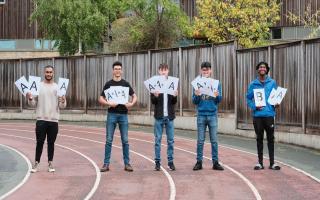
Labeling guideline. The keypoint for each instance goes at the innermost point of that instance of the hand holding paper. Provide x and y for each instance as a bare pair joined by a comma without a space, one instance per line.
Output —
277,95
34,82
62,86
259,97
23,85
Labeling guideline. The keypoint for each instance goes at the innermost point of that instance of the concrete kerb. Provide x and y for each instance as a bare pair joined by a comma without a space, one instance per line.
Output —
226,125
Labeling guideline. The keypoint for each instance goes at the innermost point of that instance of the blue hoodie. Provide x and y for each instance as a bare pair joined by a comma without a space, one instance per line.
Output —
207,105
268,85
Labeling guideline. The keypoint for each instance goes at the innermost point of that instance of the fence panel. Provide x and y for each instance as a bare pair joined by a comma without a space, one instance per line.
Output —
9,73
98,72
287,72
312,84
191,61
223,71
73,68
246,62
136,70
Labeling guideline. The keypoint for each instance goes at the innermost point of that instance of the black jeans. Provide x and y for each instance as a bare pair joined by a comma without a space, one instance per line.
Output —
46,129
260,124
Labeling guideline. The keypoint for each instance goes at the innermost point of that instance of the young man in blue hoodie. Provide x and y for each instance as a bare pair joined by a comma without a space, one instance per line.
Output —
207,109
263,116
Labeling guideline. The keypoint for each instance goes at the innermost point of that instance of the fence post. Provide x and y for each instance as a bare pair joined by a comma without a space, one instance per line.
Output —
20,71
150,66
235,76
270,56
303,70
180,78
86,84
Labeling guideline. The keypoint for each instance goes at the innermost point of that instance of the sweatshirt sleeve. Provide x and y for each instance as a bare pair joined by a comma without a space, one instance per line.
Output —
219,97
250,98
154,99
195,98
174,99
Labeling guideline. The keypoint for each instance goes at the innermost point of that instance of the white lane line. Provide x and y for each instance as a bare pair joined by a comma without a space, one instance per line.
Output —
251,186
241,176
98,174
26,177
207,143
171,182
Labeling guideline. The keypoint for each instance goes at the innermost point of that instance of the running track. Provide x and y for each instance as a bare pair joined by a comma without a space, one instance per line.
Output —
79,154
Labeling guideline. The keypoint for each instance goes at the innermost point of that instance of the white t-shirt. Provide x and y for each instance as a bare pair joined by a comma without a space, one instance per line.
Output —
47,102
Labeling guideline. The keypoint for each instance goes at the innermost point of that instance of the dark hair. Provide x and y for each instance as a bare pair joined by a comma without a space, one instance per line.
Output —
48,66
205,65
116,63
163,66
265,64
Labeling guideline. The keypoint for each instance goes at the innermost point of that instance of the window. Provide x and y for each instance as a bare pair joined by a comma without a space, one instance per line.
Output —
276,33
2,1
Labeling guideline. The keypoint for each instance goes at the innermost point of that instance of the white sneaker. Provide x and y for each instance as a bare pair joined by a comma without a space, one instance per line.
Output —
35,167
50,167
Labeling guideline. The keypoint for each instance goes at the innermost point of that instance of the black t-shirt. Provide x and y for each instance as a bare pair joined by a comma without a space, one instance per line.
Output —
121,109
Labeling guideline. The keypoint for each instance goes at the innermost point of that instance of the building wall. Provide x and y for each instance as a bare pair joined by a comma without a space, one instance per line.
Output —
14,20
296,7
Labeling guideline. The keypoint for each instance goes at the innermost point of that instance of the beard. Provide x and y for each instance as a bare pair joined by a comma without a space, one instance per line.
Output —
48,78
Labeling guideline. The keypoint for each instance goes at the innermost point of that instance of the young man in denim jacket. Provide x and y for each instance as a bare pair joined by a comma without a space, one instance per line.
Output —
207,109
263,117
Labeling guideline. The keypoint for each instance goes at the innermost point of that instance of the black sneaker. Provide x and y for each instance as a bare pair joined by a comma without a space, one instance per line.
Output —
104,168
258,166
274,167
157,167
128,168
217,166
197,166
171,166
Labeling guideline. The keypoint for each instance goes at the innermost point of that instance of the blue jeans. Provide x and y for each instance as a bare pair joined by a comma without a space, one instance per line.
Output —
158,129
112,120
212,123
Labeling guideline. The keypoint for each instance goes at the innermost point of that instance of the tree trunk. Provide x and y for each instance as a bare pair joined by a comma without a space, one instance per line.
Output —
80,47
157,37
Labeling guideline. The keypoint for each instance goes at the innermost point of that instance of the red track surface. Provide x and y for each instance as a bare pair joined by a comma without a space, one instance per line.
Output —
75,176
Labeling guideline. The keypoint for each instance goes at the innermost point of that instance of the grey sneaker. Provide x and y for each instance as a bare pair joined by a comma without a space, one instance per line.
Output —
35,167
128,168
50,167
104,168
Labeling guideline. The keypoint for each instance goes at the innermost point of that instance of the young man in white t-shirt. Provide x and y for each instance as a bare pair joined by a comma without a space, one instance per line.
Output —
47,112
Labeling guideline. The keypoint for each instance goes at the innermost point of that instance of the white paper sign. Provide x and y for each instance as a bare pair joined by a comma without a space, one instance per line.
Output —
117,94
171,85
259,97
62,86
155,84
23,85
34,82
206,86
277,95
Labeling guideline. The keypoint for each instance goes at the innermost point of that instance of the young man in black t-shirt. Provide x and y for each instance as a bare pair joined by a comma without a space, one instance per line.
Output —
117,114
